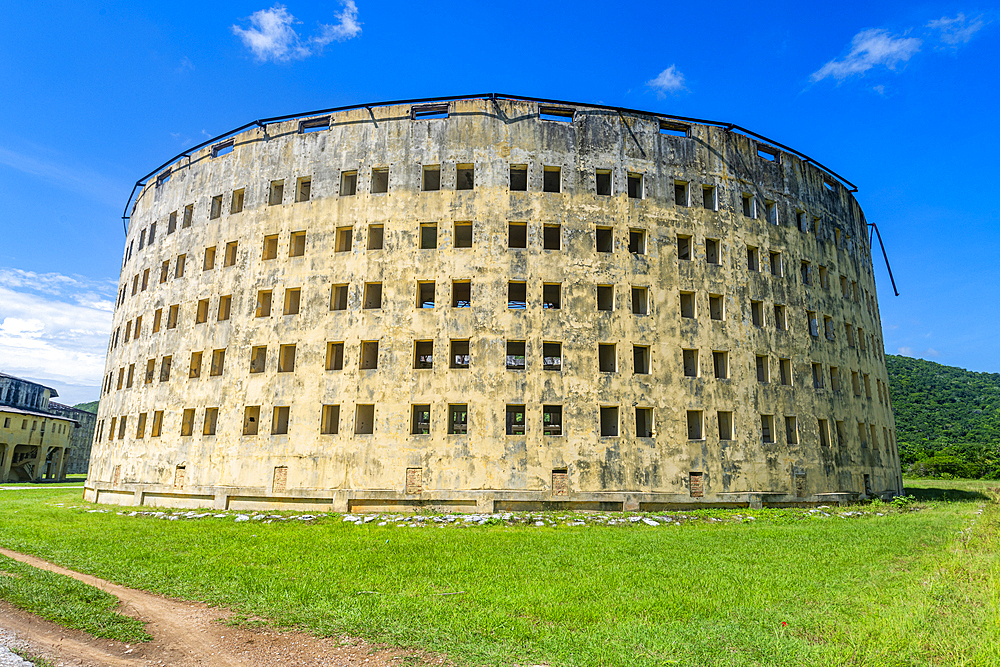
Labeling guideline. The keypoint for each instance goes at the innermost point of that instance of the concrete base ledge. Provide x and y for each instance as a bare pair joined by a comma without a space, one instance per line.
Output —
471,501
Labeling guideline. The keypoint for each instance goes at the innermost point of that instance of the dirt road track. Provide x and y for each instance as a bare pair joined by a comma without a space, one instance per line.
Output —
188,634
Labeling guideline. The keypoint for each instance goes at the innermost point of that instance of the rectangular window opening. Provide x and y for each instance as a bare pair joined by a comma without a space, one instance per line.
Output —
606,297
519,177
461,294
551,356
373,296
459,357
634,186
276,193
609,421
551,237
458,419
364,420
552,179
303,189
695,422
515,355
465,177
348,183
515,420
423,354
720,364
251,420
380,181
431,178
463,235
369,355
334,356
603,182
607,359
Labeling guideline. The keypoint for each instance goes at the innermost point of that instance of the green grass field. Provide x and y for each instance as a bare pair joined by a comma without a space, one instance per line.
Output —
789,588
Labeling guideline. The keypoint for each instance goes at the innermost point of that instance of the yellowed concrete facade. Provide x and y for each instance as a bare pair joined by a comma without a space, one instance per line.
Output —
35,444
504,307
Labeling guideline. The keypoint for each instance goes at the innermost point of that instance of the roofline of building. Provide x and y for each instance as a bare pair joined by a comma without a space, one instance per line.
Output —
35,413
263,122
52,392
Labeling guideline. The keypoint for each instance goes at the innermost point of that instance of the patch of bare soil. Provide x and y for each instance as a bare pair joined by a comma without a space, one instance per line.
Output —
188,634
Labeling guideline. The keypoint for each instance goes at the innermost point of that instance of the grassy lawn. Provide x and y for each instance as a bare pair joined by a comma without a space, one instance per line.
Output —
789,588
66,601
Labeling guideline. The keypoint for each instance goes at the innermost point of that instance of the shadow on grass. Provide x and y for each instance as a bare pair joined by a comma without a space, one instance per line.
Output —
932,493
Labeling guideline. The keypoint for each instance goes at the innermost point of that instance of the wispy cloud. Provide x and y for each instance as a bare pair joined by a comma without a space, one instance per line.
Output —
910,352
54,327
272,36
958,30
48,165
876,47
869,48
669,81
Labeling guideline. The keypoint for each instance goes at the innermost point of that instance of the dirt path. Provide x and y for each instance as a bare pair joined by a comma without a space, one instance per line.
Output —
188,634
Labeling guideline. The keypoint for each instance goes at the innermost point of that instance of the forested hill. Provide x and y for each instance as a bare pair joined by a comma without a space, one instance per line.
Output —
945,415
89,407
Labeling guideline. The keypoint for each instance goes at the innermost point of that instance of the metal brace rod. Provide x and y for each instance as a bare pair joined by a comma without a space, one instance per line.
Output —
884,256
631,133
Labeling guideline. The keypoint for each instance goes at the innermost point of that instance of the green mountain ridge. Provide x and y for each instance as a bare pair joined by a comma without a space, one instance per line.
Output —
947,418
87,407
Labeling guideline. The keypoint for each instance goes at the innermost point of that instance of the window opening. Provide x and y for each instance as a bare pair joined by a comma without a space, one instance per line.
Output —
348,183
279,421
263,308
551,179
708,198
767,428
551,237
460,354
270,247
687,305
517,235
373,296
609,421
515,420
635,186
330,420
423,354
369,355
640,301
715,307
690,363
640,359
431,180
517,295
231,248
712,251
425,294
461,294
551,296
606,297
334,356
428,236
785,371
553,113
603,177
276,193
463,235
683,247
225,307
551,356
380,181
465,177
720,364
209,259
519,177
681,193
637,241
258,359
515,355
763,370
458,419
218,362
303,189
420,422
286,359
338,297
673,129
376,237
364,420
292,298
429,111
605,239
695,422
791,430
345,239
607,361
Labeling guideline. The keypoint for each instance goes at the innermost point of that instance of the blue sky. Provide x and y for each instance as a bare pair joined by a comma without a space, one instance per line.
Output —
900,98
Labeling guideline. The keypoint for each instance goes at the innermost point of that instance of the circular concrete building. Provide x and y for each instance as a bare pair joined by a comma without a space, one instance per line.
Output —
494,303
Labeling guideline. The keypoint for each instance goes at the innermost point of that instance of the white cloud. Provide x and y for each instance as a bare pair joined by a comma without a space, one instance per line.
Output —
931,352
905,351
338,32
958,30
271,35
869,48
880,89
55,327
667,81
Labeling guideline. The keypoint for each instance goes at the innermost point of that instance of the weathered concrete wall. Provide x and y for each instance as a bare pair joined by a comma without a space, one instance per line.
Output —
488,466
81,437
